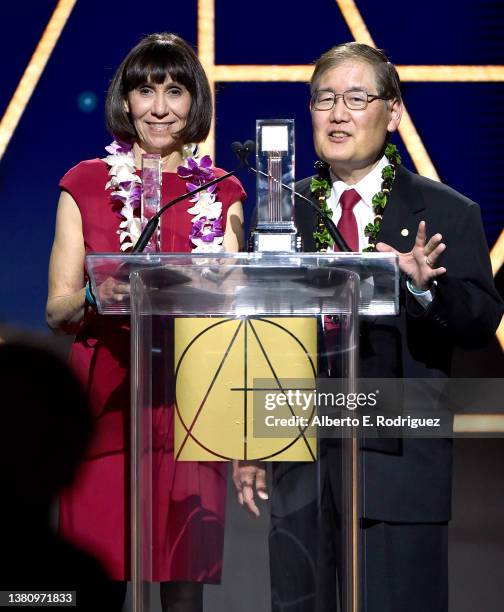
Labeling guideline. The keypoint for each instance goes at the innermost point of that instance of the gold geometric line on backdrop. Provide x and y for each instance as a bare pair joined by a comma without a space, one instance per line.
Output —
497,259
497,254
500,334
302,73
452,74
206,54
33,71
478,423
407,129
354,21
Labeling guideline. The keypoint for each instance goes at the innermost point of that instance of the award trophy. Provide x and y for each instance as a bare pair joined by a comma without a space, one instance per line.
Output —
151,197
275,230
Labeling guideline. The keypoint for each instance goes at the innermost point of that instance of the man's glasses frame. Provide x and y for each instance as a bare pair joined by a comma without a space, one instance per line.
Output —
350,99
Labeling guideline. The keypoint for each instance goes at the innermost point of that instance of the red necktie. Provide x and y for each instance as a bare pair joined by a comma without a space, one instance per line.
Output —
347,224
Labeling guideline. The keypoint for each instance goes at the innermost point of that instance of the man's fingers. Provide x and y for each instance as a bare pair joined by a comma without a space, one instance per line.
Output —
237,483
246,475
438,271
236,475
433,243
385,248
248,499
437,251
421,235
261,488
430,258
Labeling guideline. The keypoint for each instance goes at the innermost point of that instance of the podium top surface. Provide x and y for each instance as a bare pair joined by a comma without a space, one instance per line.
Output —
237,284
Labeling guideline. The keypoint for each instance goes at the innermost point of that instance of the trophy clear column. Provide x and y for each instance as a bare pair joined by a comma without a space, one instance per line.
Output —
275,230
151,197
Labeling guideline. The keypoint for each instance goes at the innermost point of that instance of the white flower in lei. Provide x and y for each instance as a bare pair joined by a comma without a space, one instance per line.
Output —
206,206
126,188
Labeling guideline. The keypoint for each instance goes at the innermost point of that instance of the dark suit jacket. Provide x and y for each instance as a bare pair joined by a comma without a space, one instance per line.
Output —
409,480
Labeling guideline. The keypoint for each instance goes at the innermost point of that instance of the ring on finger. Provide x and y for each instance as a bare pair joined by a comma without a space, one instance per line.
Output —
428,261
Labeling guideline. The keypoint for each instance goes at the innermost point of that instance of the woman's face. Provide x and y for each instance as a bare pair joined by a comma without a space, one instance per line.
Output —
159,112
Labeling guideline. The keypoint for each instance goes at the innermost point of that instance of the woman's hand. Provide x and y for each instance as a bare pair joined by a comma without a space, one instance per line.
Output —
112,291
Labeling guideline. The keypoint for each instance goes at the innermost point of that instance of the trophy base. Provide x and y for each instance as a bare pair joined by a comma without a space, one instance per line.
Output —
265,242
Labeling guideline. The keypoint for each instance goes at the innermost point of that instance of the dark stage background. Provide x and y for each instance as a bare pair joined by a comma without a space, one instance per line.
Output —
461,124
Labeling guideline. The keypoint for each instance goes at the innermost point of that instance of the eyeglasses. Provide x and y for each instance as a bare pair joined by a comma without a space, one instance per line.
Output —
354,99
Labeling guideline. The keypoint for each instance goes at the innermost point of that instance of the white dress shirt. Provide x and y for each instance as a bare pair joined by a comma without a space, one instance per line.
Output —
363,210
367,187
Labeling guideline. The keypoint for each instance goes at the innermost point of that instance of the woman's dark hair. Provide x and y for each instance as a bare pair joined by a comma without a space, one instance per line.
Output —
154,58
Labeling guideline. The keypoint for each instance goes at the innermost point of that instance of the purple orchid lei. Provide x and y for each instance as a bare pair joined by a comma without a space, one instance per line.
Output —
206,233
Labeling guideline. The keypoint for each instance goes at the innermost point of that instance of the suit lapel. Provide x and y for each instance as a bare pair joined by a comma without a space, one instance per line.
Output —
403,213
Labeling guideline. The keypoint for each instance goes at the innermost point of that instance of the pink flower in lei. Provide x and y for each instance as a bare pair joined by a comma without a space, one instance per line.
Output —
207,234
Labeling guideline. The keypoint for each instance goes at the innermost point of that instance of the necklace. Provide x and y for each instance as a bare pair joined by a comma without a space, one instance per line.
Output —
320,186
126,195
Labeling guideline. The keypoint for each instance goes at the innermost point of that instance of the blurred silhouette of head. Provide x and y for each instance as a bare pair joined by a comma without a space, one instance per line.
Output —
45,425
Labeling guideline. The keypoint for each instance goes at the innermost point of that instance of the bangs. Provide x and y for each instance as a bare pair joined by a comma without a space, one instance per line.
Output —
155,65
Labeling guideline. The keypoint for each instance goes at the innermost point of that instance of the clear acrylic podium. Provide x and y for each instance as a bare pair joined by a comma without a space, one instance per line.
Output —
209,334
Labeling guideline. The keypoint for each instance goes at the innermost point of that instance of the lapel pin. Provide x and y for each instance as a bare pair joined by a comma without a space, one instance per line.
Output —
404,232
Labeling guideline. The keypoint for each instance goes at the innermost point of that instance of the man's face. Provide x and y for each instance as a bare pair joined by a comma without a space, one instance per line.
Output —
351,140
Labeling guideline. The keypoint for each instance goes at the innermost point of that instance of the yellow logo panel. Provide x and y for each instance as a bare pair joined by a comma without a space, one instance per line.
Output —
216,363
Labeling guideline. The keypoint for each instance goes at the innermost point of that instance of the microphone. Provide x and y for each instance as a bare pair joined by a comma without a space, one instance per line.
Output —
237,148
150,228
249,146
242,151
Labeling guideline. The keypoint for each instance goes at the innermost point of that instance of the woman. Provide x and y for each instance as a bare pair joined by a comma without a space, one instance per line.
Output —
159,101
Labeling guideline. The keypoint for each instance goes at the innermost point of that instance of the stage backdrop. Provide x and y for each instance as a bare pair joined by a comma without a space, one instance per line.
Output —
460,123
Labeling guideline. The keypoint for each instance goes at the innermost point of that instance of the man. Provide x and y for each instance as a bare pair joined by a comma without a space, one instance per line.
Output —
447,298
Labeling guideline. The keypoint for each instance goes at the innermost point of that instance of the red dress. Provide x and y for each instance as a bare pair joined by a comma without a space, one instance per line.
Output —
190,496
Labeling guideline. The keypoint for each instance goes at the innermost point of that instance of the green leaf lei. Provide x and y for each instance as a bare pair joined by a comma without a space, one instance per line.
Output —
320,186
